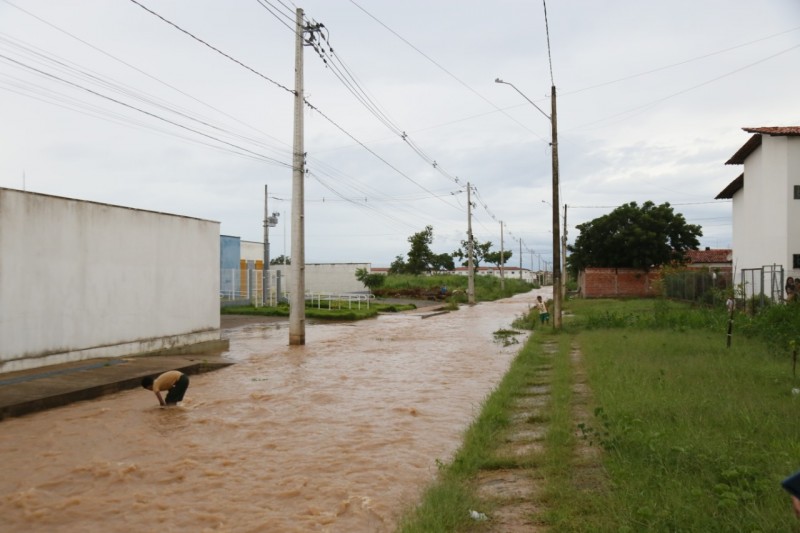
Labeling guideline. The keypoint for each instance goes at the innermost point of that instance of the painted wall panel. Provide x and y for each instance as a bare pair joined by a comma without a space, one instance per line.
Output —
81,279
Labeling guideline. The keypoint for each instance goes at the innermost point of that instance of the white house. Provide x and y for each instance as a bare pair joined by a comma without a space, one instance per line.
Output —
766,200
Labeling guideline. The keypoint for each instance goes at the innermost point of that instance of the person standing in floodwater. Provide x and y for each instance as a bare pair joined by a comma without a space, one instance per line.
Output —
174,381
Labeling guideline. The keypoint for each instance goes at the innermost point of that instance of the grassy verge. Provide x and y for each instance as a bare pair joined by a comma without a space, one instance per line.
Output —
324,313
487,288
697,437
690,435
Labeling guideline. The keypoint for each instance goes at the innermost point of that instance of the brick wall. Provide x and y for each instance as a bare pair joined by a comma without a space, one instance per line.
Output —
618,283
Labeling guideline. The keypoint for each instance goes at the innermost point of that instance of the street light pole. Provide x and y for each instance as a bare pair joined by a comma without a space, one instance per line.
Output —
556,225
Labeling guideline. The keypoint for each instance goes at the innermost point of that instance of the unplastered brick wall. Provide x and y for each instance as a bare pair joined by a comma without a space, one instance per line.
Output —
618,282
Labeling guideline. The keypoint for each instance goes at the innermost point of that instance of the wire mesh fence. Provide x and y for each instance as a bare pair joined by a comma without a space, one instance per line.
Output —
702,286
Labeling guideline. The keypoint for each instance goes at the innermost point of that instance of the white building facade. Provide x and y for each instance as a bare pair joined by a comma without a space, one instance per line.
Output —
766,200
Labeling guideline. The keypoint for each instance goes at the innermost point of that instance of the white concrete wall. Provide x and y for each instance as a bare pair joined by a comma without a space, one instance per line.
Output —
793,209
766,218
253,251
80,280
337,278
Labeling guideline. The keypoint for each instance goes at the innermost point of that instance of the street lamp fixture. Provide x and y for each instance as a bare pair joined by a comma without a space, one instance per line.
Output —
498,80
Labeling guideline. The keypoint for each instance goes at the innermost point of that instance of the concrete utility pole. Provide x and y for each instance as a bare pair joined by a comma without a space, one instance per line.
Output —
470,269
564,258
269,222
520,259
297,303
502,259
556,230
557,289
265,268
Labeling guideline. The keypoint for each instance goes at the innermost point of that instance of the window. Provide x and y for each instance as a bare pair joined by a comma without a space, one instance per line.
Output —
797,192
796,261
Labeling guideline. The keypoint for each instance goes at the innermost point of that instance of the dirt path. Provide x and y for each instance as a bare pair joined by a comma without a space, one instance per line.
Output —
515,494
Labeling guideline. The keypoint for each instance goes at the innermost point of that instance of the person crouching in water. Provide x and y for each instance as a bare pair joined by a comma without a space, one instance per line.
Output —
174,381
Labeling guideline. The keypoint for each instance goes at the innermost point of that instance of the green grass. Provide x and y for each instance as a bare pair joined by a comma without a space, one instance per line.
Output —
692,435
487,288
697,437
321,313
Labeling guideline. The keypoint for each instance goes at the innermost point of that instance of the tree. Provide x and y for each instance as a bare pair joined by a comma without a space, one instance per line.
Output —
495,259
420,257
443,262
370,281
280,260
479,253
630,236
398,266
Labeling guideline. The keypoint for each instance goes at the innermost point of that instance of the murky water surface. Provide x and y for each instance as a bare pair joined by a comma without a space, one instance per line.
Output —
338,435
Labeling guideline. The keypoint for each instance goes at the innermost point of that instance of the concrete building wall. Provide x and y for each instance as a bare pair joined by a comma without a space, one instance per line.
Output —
766,217
80,280
253,251
333,277
793,209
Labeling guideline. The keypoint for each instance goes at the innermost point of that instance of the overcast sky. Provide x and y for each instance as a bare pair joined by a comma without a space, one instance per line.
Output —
102,100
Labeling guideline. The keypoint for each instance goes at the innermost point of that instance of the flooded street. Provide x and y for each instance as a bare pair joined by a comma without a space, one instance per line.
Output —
338,435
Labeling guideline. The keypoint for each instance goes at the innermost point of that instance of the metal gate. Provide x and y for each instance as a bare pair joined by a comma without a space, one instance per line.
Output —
762,286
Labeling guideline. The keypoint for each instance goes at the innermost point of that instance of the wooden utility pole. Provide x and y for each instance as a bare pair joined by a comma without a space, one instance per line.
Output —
297,304
556,232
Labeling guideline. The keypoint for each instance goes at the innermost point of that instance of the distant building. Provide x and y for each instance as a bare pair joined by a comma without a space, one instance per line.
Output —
509,272
242,276
712,259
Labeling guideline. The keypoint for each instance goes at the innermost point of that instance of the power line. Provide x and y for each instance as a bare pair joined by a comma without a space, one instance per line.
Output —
638,109
547,31
340,128
133,67
277,14
440,67
143,111
217,50
679,63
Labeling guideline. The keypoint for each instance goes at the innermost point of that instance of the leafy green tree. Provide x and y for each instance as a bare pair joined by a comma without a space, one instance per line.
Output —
370,281
630,236
398,266
280,260
479,253
420,258
443,262
495,259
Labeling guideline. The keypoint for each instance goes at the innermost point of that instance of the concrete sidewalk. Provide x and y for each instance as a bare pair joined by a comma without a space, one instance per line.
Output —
28,391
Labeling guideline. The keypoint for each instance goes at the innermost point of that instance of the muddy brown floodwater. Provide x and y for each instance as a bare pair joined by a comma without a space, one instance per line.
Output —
338,435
